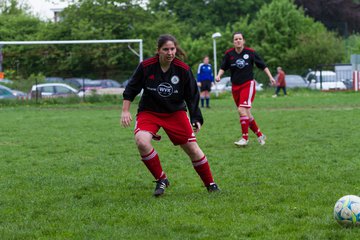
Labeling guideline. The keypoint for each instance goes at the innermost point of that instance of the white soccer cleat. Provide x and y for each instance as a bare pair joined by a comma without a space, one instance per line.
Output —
242,142
262,139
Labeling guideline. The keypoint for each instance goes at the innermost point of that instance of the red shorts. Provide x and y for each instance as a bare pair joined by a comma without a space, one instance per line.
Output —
176,125
244,94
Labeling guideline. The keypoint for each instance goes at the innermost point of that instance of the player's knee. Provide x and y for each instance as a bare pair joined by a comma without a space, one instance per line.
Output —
142,143
193,150
242,111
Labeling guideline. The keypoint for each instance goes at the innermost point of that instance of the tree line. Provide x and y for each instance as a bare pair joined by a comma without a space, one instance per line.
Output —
280,30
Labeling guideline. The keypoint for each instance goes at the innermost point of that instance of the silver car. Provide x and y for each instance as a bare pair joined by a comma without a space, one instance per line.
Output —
225,86
295,81
50,90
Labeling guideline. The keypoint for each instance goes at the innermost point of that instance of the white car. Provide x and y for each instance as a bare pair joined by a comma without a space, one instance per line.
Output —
225,86
295,81
324,80
50,90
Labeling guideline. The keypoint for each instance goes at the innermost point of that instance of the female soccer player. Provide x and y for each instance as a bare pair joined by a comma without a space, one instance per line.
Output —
169,90
240,60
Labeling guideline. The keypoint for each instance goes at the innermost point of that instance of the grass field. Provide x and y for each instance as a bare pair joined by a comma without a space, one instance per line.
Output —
71,172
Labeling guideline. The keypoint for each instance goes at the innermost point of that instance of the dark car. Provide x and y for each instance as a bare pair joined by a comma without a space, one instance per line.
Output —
107,83
295,81
80,83
54,80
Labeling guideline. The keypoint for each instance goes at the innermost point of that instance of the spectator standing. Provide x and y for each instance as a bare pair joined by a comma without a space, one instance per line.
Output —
280,82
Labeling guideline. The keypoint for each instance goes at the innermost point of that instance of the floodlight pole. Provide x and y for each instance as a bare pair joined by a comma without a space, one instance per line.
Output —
214,36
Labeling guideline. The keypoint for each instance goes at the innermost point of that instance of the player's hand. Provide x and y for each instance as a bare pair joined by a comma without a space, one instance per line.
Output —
196,127
273,82
217,78
199,84
125,119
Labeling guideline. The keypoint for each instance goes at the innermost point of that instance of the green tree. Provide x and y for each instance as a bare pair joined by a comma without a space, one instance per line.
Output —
285,36
279,31
17,25
89,20
204,16
121,19
353,45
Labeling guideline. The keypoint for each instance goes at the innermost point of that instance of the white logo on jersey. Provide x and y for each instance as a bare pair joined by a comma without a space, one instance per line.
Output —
165,89
240,63
175,79
246,56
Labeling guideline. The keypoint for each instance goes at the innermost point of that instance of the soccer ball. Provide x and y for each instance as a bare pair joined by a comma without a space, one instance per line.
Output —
347,211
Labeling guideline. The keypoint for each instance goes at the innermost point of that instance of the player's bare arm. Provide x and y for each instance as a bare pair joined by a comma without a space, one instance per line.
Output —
271,78
218,77
126,117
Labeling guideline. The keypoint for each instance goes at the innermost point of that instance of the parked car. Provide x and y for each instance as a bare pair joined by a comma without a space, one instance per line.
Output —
295,81
106,86
225,86
107,83
54,80
125,83
6,93
324,80
19,94
81,83
49,90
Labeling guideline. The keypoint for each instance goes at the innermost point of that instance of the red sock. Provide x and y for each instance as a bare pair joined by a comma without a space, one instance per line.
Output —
203,170
152,162
244,121
253,126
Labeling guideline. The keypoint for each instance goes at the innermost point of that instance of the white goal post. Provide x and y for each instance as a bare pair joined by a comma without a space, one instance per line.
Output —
140,41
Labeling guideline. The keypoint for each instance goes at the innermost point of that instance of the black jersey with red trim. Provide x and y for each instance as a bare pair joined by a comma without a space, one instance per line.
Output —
166,92
241,64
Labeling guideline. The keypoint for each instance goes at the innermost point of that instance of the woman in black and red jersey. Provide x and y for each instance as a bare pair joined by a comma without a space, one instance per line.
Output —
240,60
169,90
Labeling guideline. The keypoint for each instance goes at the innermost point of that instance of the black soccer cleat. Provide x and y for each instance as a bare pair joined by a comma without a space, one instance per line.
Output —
161,184
213,188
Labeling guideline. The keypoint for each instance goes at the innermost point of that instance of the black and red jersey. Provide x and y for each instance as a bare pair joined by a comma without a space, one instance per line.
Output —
241,64
167,92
